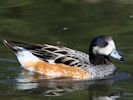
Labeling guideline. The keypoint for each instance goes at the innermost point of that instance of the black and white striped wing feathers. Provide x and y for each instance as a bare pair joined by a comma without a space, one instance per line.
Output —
54,54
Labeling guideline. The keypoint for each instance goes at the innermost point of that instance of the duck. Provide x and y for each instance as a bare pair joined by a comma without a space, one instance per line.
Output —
62,62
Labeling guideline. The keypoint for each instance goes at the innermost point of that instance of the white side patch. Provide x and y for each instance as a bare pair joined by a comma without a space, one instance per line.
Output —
25,56
51,61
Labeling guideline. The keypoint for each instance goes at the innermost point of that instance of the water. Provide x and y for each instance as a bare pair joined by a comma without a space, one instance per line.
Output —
70,23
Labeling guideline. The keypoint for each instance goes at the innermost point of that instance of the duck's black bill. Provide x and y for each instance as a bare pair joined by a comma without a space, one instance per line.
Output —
121,59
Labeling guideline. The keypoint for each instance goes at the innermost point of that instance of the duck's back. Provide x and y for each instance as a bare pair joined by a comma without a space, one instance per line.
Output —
56,54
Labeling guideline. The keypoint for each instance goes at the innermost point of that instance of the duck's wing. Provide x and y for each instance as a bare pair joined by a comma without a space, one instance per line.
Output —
56,54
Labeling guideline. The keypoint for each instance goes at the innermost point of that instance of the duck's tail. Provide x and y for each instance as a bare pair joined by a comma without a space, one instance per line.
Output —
10,44
24,56
17,46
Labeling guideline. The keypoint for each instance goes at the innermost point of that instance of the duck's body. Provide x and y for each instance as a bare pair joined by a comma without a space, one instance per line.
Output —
55,61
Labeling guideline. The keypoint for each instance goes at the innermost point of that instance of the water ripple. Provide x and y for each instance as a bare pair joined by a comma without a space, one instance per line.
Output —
7,60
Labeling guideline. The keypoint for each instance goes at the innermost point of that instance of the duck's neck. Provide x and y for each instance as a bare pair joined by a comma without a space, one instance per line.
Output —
98,59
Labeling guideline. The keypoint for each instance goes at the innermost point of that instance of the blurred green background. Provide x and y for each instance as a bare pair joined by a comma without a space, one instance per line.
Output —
70,23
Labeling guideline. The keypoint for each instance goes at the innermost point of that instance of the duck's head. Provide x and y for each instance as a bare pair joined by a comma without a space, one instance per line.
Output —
101,48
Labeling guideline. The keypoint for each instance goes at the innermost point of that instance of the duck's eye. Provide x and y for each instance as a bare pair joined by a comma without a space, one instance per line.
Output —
104,44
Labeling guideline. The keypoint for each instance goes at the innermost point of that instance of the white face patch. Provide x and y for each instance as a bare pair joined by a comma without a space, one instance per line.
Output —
105,50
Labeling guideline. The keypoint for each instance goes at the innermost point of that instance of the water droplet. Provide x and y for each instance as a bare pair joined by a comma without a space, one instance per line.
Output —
65,28
131,16
58,42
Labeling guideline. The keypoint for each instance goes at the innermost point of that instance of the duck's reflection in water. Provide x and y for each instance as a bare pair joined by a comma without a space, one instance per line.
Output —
97,90
102,92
